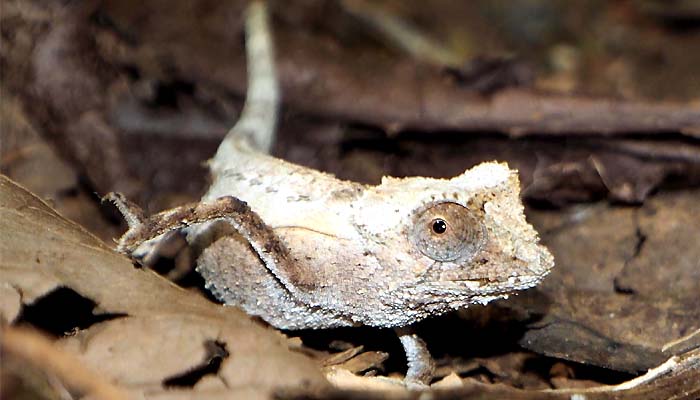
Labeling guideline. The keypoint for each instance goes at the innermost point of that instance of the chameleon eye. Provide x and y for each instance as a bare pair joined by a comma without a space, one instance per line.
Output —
439,226
447,232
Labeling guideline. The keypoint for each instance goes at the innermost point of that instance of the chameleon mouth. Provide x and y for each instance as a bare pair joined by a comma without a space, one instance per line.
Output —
474,284
491,286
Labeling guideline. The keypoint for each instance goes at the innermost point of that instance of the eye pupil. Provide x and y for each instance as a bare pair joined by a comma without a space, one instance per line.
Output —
448,232
439,226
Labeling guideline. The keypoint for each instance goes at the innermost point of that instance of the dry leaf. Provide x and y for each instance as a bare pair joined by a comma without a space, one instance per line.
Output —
155,331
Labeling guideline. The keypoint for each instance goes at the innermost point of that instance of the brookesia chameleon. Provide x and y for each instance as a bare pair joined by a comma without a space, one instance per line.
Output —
304,250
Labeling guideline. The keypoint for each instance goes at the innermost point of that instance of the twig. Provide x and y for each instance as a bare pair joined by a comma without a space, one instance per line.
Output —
404,35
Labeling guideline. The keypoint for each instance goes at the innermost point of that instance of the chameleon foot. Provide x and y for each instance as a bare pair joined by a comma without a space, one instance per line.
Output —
420,364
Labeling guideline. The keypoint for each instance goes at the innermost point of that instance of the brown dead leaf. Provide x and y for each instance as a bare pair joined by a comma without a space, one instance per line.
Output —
451,381
625,284
10,303
163,330
365,361
343,379
341,357
667,222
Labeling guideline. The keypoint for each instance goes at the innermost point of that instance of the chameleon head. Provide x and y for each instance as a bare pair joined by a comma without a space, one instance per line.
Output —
445,244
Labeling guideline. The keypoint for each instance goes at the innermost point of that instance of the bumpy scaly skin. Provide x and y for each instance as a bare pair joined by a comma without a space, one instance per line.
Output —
312,251
353,261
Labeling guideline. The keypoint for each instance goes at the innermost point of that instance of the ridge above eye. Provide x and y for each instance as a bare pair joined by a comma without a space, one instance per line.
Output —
447,231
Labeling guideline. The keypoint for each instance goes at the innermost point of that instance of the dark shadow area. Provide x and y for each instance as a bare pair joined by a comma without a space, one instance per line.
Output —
62,311
543,366
216,353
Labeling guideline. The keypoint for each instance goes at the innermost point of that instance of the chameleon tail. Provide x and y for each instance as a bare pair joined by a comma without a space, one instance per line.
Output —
257,124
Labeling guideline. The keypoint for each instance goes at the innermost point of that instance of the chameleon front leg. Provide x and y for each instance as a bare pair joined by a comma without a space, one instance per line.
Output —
267,245
420,363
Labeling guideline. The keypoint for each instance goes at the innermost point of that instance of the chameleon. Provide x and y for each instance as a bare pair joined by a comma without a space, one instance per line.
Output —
303,249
